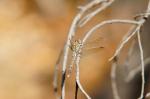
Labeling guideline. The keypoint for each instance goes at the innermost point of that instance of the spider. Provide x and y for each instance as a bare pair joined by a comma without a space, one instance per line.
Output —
76,48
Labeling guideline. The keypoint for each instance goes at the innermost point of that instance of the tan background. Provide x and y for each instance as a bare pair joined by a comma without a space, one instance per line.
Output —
32,33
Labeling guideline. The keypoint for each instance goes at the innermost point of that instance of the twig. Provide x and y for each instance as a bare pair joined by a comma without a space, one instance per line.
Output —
55,81
100,25
141,22
94,13
113,79
148,8
142,64
71,34
81,20
125,39
78,79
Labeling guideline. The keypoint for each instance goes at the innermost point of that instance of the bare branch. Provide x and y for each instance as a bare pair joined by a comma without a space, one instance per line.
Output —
78,79
71,34
113,79
79,21
148,8
55,81
125,39
142,65
100,25
94,13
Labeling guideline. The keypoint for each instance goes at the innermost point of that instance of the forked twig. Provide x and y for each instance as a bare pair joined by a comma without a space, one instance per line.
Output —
71,34
141,21
100,25
55,81
79,21
125,40
78,80
88,17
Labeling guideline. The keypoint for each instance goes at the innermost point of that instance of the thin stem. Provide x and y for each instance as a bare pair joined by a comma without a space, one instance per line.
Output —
78,79
113,80
55,81
71,34
100,25
88,17
142,65
124,41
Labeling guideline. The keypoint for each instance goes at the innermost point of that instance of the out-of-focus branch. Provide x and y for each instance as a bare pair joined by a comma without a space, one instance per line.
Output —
55,81
141,21
135,71
113,79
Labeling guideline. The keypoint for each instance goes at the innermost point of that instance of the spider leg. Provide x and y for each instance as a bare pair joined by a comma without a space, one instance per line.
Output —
71,65
70,68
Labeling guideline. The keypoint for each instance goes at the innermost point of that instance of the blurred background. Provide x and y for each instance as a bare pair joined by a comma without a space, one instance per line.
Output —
32,34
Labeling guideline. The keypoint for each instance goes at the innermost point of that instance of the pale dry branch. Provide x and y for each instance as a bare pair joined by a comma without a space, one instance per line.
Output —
125,40
94,13
78,80
79,21
142,65
100,25
148,8
55,81
141,21
113,79
135,71
71,34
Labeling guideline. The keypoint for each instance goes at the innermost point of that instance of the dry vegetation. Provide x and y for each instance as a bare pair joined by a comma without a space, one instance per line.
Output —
85,14
33,32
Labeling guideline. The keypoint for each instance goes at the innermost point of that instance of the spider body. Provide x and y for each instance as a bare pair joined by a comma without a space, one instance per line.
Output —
75,47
